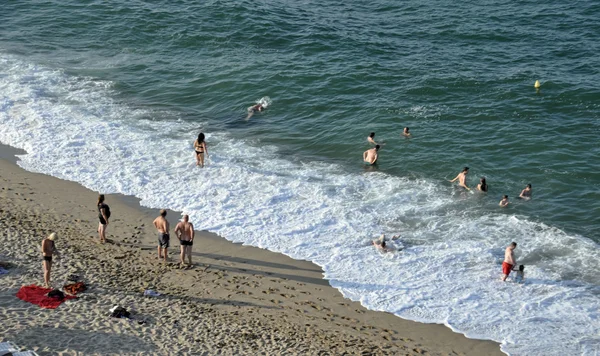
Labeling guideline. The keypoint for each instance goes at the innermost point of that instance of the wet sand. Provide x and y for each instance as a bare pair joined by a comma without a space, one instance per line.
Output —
235,299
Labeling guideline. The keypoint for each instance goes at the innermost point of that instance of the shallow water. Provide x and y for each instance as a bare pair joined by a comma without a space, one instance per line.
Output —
112,96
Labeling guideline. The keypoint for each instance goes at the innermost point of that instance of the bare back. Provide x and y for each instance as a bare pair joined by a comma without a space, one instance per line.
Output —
185,231
162,225
509,256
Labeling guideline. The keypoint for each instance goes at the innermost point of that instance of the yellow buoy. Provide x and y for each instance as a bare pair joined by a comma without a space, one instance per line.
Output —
537,84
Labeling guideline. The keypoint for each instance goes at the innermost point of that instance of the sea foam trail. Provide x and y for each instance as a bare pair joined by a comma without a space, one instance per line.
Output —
72,128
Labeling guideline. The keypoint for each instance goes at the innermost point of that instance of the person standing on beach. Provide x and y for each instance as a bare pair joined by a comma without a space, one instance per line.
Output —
162,225
509,260
200,148
185,233
462,177
526,193
48,249
370,156
103,215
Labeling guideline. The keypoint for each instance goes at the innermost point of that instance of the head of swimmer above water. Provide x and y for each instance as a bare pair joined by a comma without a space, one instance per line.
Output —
200,137
377,147
465,170
372,134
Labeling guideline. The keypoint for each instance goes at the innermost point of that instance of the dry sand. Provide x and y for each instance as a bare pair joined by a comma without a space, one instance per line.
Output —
236,300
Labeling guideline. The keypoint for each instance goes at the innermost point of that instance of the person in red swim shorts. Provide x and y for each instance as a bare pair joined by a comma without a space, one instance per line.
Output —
509,260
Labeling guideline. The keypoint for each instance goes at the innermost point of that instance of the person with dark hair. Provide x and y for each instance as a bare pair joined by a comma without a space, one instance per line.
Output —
504,202
103,215
370,156
185,233
482,186
254,108
526,193
406,132
162,225
48,249
200,148
462,177
371,138
509,260
520,277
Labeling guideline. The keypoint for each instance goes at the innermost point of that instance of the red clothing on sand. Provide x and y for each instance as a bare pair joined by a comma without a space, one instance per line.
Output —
39,296
506,268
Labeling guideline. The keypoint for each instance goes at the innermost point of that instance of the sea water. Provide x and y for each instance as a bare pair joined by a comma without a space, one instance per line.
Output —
112,95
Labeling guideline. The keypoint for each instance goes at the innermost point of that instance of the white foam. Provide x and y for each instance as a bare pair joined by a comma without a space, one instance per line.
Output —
448,272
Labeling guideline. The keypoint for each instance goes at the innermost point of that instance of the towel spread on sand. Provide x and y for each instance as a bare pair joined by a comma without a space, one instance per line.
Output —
39,296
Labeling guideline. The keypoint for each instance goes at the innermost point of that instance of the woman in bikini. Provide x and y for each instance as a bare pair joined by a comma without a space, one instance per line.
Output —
200,148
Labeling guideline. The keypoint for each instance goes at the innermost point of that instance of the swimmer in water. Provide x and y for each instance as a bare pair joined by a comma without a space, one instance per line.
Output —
406,132
462,177
504,202
526,193
371,138
482,186
370,156
254,108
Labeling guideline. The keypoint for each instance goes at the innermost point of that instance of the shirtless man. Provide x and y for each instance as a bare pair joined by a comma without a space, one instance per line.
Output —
509,260
370,156
504,202
462,177
185,233
162,225
526,193
371,138
406,132
48,249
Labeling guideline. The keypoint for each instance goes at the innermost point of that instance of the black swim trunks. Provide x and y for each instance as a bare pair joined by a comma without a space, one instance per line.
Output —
48,258
186,243
163,240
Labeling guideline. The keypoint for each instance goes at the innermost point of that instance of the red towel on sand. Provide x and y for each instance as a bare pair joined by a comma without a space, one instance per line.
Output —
38,295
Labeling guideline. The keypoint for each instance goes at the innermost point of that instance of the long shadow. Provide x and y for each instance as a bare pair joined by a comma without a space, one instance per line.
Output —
293,277
83,341
174,250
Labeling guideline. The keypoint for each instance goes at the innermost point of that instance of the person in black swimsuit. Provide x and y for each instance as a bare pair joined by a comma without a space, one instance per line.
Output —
103,215
200,149
48,249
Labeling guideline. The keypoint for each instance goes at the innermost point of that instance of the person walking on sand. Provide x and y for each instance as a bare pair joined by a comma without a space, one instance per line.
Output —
526,193
509,260
462,177
504,202
370,156
371,138
48,249
185,233
162,225
200,148
103,216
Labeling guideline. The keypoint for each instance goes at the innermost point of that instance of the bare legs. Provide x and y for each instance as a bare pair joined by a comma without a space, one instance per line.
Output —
47,265
189,253
162,253
182,254
200,159
102,232
186,250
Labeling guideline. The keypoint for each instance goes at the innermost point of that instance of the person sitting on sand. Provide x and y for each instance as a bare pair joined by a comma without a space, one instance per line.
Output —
509,260
520,277
48,249
462,177
526,193
185,233
371,138
103,215
406,132
370,156
504,202
162,225
200,149
482,186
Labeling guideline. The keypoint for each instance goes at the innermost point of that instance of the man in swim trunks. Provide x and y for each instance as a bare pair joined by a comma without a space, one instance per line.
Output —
509,260
162,225
370,156
185,233
462,178
48,249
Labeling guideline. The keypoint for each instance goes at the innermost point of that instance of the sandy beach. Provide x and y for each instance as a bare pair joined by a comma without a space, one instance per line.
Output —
235,300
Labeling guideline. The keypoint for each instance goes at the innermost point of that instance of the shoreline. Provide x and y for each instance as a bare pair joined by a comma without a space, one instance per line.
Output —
230,282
